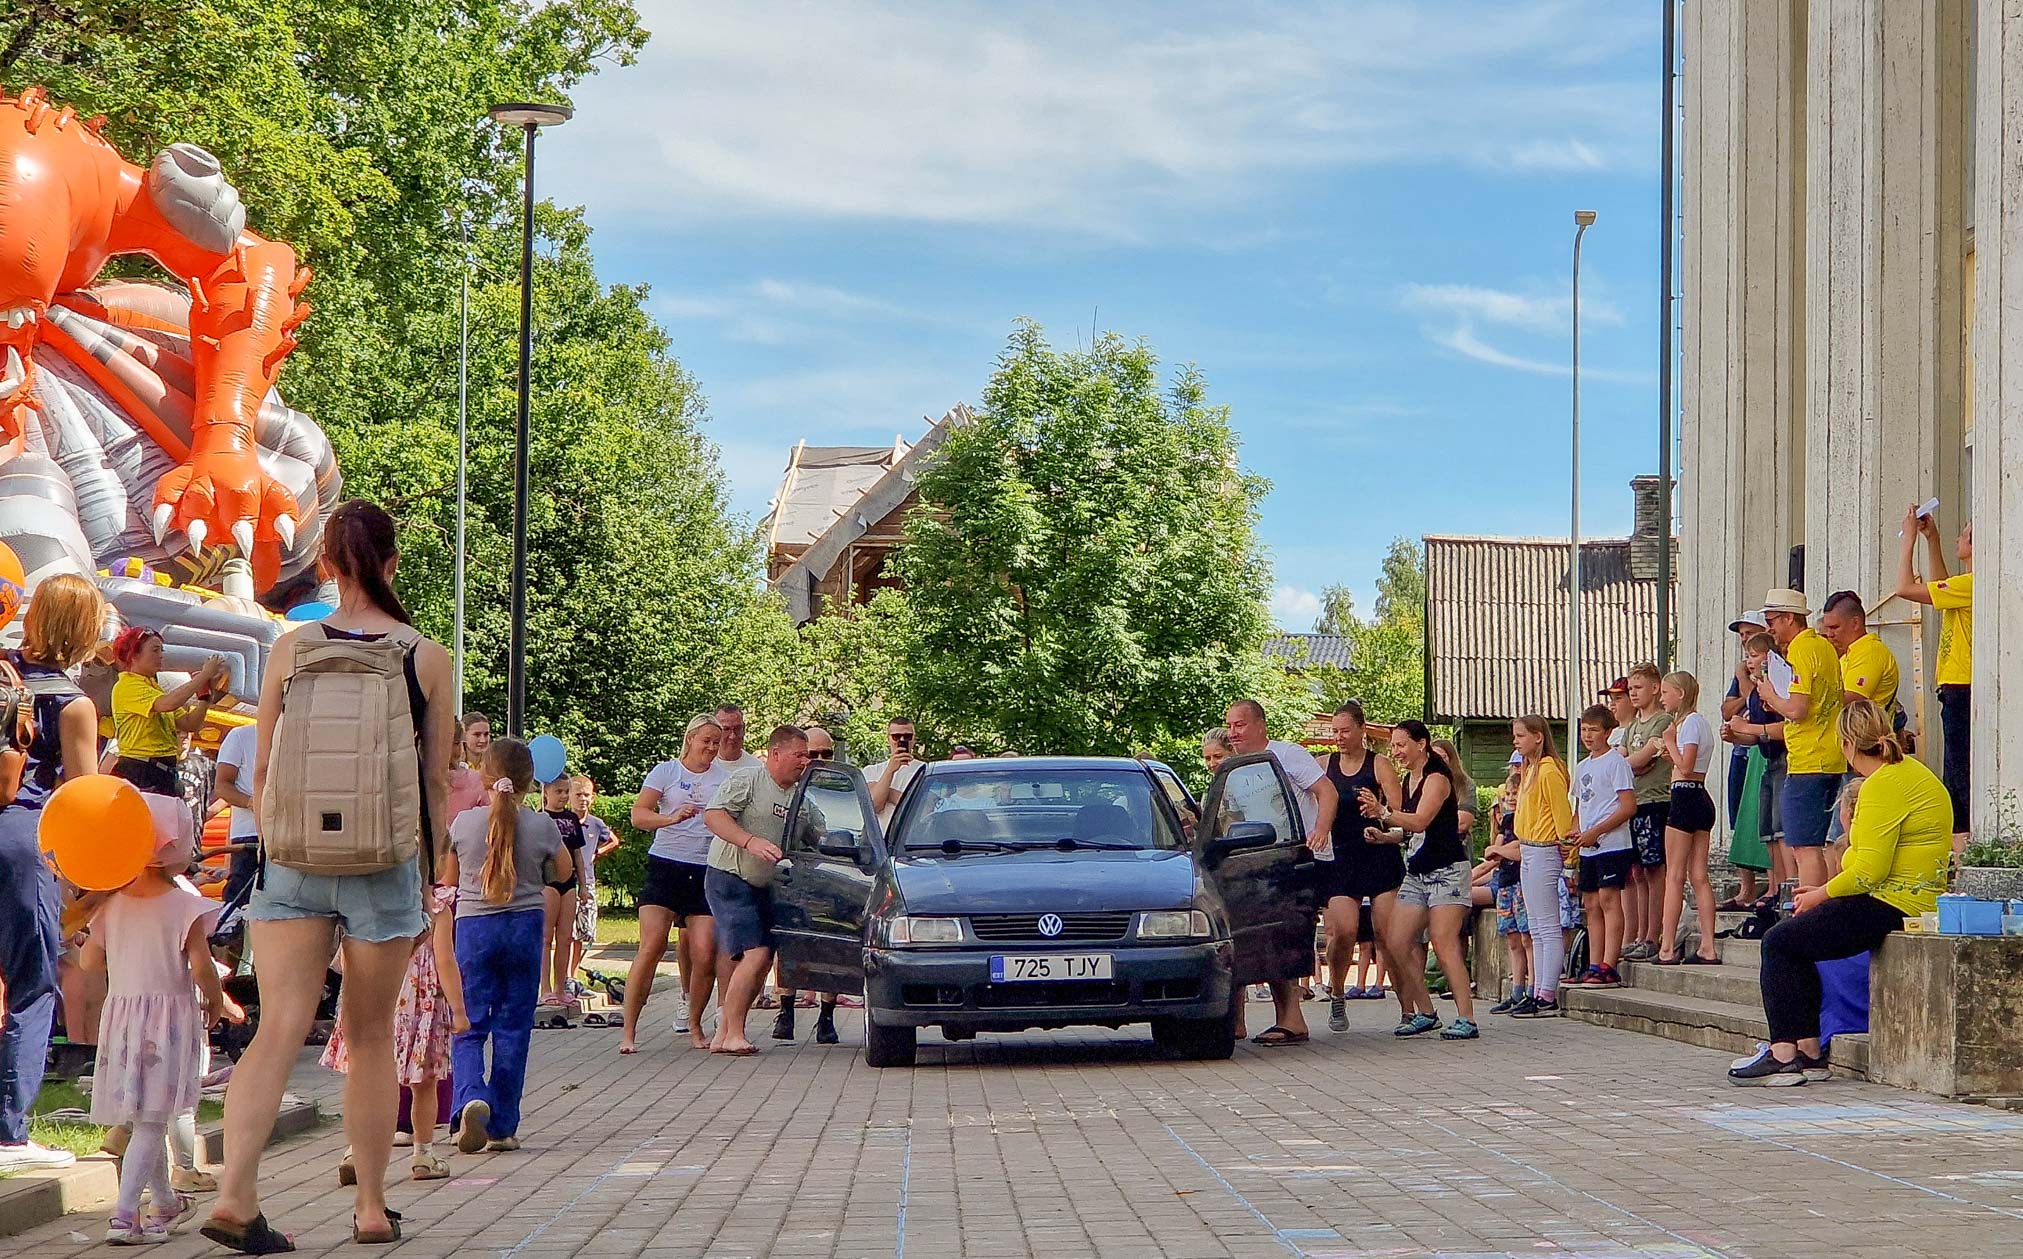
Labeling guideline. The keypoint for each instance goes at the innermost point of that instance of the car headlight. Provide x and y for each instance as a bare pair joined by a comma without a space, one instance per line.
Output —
1172,924
924,931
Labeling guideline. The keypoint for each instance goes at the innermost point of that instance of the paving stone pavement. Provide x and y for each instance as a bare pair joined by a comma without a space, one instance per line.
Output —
1542,1139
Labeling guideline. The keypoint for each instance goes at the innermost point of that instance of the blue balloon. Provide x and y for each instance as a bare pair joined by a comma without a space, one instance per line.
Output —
550,758
309,611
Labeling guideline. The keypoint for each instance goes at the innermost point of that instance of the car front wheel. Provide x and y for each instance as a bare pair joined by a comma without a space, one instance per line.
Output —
888,1046
1207,1040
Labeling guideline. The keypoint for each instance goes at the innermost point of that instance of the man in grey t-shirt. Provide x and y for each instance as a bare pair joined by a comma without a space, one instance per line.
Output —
748,818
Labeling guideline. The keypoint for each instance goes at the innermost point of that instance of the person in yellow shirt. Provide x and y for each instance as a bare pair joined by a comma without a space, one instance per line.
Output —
1953,596
1813,756
1544,820
149,721
1868,668
1895,867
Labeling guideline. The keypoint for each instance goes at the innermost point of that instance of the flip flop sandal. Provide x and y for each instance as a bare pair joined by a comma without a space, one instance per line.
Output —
1273,1037
746,1052
347,1175
388,1238
628,1050
1659,961
1694,959
254,1237
593,1019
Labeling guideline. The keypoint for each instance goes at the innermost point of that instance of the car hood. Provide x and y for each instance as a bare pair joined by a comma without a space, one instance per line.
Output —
1044,881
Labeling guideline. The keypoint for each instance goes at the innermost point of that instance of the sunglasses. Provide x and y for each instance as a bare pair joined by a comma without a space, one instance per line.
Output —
824,755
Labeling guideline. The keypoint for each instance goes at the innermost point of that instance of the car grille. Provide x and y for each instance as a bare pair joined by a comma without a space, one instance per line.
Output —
1064,993
1075,928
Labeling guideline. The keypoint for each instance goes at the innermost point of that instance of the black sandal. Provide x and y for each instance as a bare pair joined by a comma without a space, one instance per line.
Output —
254,1237
1274,1036
392,1234
1694,959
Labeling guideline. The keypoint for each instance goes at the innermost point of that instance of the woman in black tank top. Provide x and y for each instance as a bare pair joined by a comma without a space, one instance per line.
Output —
1361,870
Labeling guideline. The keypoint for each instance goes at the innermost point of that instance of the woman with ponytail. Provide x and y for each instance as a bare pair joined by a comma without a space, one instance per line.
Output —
297,917
497,855
1895,867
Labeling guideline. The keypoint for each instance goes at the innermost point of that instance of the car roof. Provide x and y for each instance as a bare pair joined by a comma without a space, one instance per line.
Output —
1025,764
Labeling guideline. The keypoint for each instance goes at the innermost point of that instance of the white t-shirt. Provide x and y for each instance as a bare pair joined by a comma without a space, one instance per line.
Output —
1695,730
900,782
1596,782
745,760
240,745
1300,766
677,784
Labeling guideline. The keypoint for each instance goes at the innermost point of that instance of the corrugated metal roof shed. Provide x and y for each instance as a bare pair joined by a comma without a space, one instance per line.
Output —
1310,651
1496,623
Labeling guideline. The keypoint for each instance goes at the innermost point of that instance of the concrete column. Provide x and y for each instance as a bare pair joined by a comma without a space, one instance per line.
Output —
1742,208
1885,248
1998,415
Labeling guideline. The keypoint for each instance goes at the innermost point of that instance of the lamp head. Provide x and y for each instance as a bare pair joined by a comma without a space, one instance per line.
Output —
530,114
1584,218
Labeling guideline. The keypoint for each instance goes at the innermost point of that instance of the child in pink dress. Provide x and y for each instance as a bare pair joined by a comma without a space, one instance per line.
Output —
152,939
421,1041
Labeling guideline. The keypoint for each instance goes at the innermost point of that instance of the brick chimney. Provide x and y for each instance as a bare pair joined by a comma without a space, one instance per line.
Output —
1647,533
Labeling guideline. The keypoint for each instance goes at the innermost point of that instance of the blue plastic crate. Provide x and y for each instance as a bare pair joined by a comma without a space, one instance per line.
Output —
1969,916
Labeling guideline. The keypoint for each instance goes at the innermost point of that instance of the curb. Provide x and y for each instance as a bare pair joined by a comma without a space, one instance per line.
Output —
32,1199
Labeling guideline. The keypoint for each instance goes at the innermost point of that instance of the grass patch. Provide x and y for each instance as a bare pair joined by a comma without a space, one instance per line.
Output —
617,926
79,1136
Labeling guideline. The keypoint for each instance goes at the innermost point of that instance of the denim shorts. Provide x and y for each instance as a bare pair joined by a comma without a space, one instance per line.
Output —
1809,805
1446,886
373,908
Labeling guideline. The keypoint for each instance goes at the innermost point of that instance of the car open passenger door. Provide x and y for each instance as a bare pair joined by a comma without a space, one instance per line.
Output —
1252,847
833,851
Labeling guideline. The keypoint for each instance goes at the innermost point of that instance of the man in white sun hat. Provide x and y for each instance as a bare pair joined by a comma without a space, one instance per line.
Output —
1814,761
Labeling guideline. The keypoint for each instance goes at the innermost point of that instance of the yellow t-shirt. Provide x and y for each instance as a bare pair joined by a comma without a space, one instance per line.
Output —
1901,839
142,732
1544,805
1814,744
1869,669
1954,598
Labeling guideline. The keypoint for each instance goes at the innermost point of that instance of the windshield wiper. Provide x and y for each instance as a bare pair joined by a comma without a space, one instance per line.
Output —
1068,843
954,846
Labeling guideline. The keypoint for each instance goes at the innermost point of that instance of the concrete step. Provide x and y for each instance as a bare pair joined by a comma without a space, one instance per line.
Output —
1731,1026
1726,982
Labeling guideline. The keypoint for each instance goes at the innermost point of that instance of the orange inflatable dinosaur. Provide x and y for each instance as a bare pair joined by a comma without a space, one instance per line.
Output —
68,203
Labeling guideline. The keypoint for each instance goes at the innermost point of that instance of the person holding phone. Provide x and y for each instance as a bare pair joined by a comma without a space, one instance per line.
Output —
890,777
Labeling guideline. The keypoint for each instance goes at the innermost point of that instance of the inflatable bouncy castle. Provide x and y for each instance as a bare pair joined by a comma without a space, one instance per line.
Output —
141,437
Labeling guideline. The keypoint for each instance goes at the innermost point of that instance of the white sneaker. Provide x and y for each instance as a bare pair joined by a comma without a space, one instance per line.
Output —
28,1157
403,1140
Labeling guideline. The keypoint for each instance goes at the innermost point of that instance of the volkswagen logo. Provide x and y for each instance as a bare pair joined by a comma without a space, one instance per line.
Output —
1050,925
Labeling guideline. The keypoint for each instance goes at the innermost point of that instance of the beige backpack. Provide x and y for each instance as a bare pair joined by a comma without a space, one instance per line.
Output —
343,792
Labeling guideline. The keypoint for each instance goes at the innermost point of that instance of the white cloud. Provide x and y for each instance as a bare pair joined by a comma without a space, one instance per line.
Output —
1295,609
1534,312
1079,118
1463,341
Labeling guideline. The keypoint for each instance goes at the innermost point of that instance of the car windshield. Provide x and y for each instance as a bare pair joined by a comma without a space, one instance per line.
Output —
1014,808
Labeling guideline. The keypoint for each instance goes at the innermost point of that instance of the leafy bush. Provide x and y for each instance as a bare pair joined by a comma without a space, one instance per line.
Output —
621,876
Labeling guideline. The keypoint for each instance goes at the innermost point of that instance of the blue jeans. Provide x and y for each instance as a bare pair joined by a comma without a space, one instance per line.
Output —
500,957
30,944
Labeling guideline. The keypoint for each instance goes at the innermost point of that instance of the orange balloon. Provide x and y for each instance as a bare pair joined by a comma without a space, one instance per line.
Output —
100,831
13,584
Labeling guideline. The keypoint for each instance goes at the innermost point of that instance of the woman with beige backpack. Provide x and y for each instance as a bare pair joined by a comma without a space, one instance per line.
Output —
348,836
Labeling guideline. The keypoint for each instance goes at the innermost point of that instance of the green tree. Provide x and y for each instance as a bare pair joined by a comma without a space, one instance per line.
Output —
1387,652
1083,571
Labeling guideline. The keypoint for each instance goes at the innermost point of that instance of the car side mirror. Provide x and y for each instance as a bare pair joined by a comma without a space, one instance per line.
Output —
839,844
1241,837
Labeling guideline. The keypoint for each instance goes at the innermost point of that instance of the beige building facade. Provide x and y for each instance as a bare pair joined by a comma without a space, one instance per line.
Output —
1852,229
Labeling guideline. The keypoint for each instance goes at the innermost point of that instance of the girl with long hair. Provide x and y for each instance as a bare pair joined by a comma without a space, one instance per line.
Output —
500,858
1689,823
1544,820
296,918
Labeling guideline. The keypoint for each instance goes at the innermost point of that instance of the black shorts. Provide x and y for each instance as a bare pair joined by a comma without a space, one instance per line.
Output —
565,887
1360,873
1366,924
675,886
1692,809
1608,869
156,774
1647,832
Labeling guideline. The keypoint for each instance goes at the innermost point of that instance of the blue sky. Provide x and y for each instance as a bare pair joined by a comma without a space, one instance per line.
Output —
1355,219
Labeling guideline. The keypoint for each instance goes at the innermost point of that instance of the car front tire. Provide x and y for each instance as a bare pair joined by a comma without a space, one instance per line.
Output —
1205,1040
888,1046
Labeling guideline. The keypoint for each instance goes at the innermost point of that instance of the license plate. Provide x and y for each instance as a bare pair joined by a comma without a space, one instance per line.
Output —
1016,968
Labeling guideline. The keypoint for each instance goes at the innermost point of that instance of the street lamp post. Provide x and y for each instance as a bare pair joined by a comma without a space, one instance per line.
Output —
1583,220
530,118
463,424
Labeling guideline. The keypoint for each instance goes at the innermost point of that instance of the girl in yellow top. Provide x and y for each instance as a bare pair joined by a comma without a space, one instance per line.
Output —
147,720
1953,596
1544,820
1894,867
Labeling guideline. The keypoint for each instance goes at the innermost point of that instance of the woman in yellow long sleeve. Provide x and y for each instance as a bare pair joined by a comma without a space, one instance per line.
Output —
1544,820
1895,867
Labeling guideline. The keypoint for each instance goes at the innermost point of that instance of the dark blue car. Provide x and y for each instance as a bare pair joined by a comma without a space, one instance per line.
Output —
1043,892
